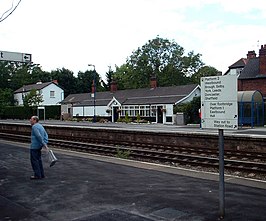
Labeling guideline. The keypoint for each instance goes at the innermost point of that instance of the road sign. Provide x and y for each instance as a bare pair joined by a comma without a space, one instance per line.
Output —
15,56
219,102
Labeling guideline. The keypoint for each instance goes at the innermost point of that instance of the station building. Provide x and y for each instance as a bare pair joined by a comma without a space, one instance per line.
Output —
155,104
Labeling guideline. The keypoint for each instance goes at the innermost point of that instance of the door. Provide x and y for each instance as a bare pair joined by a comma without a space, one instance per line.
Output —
115,114
159,114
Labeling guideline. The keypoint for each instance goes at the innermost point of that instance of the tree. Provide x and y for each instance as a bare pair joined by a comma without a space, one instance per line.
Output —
190,110
4,75
33,98
37,74
85,81
19,75
6,99
205,71
109,78
66,80
161,58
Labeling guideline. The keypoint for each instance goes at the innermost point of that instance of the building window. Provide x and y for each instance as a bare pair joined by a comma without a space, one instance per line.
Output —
52,93
142,110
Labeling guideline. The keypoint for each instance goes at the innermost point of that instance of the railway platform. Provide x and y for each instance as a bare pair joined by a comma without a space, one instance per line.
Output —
88,187
259,132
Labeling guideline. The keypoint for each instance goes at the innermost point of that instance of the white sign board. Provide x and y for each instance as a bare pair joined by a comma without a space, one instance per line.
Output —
15,56
219,102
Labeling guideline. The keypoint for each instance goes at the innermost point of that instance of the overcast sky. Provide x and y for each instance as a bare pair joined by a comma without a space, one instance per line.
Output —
75,33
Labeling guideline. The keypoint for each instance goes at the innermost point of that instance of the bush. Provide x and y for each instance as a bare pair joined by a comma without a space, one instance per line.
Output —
22,112
124,154
190,110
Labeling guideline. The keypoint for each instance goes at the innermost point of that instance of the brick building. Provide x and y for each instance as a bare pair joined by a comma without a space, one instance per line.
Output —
251,71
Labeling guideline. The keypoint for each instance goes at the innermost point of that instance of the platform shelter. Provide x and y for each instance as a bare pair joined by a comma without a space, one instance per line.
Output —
250,108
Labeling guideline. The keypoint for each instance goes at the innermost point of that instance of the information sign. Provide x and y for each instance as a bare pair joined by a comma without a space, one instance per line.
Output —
15,56
219,102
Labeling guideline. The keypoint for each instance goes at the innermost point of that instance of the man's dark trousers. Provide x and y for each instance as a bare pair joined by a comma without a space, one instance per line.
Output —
36,162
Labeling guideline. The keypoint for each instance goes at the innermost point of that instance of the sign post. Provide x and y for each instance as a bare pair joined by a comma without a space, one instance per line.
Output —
15,56
219,111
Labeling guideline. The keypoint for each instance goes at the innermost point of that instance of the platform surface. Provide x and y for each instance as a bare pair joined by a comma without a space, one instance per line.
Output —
256,132
87,187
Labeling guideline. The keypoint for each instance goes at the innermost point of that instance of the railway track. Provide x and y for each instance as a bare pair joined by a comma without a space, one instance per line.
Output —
234,161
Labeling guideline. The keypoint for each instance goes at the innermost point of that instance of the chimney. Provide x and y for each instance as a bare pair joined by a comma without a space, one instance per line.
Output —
262,59
153,82
113,87
251,54
92,87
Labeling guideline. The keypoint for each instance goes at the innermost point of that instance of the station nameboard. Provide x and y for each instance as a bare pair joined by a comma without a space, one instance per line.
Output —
15,56
219,102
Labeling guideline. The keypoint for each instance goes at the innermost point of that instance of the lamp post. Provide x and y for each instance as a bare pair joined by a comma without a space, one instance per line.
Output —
94,92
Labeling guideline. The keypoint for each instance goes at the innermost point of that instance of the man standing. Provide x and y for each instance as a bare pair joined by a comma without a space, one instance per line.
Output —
39,139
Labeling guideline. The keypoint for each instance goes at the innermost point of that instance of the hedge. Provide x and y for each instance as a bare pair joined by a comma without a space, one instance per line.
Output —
22,113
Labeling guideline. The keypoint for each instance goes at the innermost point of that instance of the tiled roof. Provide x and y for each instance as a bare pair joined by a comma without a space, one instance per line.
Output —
29,87
240,63
161,95
251,70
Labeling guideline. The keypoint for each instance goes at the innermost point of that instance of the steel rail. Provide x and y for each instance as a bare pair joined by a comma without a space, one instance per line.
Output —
148,154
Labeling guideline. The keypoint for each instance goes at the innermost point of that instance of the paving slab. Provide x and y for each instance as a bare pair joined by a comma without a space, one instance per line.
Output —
85,187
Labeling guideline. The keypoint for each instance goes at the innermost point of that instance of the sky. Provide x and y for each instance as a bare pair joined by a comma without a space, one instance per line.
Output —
73,34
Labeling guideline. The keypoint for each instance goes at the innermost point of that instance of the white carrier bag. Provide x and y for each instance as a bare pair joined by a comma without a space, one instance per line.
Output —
51,157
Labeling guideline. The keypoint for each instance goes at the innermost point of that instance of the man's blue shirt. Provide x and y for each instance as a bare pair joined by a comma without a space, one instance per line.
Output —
39,137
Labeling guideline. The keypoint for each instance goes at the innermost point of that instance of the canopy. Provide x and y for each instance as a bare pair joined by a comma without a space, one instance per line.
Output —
249,96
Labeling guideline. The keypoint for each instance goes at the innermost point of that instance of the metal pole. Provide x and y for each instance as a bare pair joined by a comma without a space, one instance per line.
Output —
221,173
94,97
44,114
94,92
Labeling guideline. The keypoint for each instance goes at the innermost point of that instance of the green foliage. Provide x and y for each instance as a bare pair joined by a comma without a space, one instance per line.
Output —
6,99
205,71
161,58
53,112
124,154
22,112
85,81
109,79
138,118
33,98
127,119
66,80
190,110
17,112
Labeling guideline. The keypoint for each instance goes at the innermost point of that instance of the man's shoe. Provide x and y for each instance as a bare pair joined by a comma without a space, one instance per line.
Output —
35,178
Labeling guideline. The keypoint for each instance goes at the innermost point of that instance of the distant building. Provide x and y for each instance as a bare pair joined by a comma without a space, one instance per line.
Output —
51,92
251,71
154,104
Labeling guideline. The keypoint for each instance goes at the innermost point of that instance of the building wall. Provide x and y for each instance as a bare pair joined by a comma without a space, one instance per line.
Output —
88,111
235,71
253,84
52,100
18,98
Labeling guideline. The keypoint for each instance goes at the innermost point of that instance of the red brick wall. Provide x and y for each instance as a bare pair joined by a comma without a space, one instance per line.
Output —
262,61
253,84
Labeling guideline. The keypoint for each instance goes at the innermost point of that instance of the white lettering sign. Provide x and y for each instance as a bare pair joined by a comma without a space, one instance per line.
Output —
219,102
